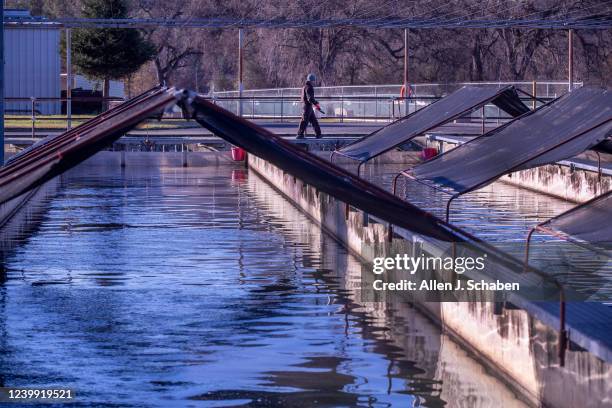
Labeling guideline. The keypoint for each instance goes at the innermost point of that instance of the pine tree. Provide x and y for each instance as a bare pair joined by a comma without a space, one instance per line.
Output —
109,53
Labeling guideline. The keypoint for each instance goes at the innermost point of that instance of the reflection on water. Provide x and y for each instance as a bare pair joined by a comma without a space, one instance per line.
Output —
203,287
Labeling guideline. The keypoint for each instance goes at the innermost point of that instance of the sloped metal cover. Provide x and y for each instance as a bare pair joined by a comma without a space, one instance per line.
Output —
453,106
52,156
562,129
589,222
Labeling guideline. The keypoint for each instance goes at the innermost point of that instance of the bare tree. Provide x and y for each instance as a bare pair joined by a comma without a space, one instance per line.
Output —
350,55
173,49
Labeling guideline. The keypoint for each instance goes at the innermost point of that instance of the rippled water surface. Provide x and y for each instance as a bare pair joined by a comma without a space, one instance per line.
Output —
203,287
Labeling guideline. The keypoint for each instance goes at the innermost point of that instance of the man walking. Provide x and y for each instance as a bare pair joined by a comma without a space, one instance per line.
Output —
308,115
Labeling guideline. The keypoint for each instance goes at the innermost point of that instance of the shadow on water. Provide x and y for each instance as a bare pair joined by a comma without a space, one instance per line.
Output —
204,287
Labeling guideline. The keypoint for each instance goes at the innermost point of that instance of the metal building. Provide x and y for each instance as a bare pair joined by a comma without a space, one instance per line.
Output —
32,63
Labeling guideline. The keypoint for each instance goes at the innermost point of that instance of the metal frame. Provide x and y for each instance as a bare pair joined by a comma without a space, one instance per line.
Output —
511,169
438,188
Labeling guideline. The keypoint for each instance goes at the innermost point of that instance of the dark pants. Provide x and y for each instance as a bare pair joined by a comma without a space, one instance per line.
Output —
308,116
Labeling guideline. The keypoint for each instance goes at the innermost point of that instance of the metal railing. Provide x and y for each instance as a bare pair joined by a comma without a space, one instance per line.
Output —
545,89
341,103
367,102
28,112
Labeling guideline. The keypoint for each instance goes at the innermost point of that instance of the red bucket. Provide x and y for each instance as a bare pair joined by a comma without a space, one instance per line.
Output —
238,154
429,153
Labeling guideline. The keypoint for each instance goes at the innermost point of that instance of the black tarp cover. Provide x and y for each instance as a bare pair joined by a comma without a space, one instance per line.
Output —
451,107
590,222
559,130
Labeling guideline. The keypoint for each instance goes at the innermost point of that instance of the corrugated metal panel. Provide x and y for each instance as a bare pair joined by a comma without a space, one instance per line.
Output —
32,68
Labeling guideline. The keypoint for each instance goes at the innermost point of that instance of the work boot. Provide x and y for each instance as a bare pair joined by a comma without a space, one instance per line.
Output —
318,136
299,136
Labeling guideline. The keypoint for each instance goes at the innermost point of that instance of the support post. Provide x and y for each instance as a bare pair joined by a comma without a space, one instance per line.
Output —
406,85
483,130
240,69
68,78
359,168
570,57
534,92
2,88
33,116
282,107
448,206
563,338
527,243
395,182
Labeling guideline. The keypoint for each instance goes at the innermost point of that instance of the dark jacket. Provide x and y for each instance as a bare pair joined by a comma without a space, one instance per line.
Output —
308,95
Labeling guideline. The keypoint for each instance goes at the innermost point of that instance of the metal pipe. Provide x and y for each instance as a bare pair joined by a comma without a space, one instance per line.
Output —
68,78
483,120
342,105
406,68
526,260
448,204
33,113
359,168
282,107
570,57
599,171
395,182
240,68
534,92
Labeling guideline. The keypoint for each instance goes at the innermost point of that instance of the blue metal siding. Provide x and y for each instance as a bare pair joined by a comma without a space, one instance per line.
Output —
32,68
